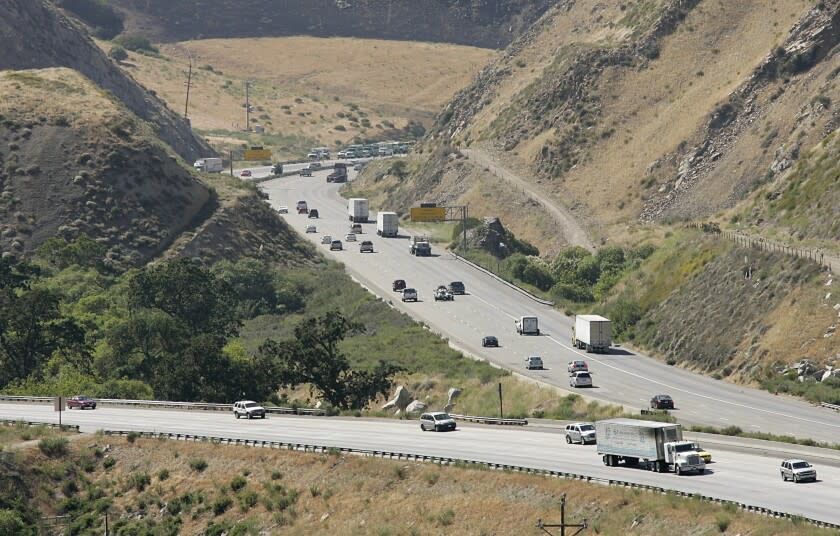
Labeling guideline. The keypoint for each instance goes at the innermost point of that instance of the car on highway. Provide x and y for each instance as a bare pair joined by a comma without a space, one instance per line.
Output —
366,246
313,213
326,239
662,402
277,169
245,173
311,229
398,285
533,362
703,453
580,432
248,409
305,172
489,341
442,294
314,165
409,294
578,365
283,209
350,237
340,155
336,245
457,287
356,228
580,379
437,421
81,402
302,207
798,470
358,167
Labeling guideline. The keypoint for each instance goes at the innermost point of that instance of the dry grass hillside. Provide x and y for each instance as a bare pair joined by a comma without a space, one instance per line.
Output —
36,35
651,109
308,91
74,161
165,487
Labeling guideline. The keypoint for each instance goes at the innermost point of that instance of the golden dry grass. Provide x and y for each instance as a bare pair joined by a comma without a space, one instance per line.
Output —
346,494
299,85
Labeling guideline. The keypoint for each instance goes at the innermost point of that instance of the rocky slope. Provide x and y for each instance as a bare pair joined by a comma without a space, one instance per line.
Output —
482,23
34,35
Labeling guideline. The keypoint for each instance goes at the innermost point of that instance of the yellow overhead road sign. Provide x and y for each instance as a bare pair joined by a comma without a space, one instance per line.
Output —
257,153
428,214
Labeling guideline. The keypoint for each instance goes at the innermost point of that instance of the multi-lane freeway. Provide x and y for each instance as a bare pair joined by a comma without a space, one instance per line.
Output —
750,477
489,308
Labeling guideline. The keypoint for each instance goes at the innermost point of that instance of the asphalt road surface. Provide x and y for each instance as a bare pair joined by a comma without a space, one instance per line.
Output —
747,477
490,307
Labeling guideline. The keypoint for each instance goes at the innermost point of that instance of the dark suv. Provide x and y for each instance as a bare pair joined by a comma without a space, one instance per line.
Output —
456,287
662,402
398,285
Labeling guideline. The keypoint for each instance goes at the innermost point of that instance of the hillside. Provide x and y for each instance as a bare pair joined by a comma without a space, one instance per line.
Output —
35,35
482,23
645,110
307,91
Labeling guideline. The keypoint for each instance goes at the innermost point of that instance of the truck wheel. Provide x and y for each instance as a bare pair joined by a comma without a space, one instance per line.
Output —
677,470
784,478
568,440
235,414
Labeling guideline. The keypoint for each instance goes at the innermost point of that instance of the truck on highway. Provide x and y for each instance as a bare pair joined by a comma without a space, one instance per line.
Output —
339,173
209,165
658,445
420,246
592,333
357,208
387,224
527,325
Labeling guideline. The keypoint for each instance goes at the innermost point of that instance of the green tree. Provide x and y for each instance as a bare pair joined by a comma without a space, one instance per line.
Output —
252,282
313,356
83,251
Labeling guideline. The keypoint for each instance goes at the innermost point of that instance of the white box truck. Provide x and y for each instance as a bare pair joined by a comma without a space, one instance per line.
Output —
527,325
357,208
658,445
209,165
387,224
592,333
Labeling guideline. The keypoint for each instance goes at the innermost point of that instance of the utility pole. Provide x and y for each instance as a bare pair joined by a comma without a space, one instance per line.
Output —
189,81
465,229
562,526
247,109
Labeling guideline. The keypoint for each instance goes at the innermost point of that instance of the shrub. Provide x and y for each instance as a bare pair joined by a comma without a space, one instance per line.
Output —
132,437
238,483
446,518
136,43
276,475
198,464
118,53
139,481
163,474
54,447
108,462
722,522
221,505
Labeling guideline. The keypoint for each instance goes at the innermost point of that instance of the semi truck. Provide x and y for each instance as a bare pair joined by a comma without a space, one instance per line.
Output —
209,165
527,325
357,208
387,224
339,173
592,333
657,445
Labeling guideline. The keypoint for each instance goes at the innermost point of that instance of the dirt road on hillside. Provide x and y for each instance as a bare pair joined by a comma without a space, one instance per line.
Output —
569,226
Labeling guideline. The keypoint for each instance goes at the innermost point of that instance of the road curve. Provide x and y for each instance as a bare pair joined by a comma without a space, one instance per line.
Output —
621,377
735,475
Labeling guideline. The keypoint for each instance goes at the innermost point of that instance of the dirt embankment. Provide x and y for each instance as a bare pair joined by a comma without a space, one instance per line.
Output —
485,23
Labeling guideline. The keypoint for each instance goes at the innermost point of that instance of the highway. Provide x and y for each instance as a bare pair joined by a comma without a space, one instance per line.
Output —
490,307
735,475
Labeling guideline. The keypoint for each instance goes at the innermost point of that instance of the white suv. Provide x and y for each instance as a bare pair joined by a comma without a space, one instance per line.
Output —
249,409
798,470
580,379
580,432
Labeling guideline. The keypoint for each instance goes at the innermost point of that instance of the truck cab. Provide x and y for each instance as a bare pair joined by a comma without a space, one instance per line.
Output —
682,457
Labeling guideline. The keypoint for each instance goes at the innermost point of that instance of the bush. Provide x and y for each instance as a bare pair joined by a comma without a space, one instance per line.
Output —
109,462
54,447
132,437
198,465
163,474
136,43
238,483
221,505
118,53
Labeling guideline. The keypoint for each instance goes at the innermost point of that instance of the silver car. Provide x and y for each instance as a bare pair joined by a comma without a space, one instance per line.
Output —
437,421
580,379
580,432
798,470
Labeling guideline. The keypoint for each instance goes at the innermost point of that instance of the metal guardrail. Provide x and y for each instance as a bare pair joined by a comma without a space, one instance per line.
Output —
206,406
835,407
12,422
489,420
459,461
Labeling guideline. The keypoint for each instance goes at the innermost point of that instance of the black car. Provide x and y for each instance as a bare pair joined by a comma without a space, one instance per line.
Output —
398,285
313,213
662,402
457,287
490,340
